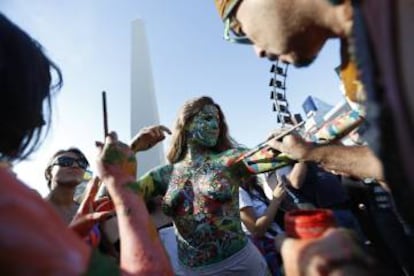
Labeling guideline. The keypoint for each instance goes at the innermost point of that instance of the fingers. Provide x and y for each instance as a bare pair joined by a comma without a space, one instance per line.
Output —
275,144
99,216
165,129
149,136
91,190
92,187
112,137
158,132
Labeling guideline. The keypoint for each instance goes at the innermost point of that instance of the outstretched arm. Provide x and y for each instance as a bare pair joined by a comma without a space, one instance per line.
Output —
148,137
356,161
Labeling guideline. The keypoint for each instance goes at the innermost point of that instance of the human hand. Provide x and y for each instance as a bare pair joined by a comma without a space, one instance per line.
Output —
336,250
293,145
279,191
88,215
115,160
82,225
148,137
91,189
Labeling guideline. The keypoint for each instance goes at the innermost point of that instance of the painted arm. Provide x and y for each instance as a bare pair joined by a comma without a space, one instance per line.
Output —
153,183
263,159
356,161
259,225
141,250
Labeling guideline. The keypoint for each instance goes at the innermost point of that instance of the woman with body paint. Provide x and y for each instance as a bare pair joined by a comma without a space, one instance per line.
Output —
201,193
34,240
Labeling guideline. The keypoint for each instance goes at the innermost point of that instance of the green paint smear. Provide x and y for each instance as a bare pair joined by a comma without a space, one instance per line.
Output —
113,156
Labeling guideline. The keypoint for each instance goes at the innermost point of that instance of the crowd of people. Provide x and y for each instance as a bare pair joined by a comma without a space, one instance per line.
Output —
217,207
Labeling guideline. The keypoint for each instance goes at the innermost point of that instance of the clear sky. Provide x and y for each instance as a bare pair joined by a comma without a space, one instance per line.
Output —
90,41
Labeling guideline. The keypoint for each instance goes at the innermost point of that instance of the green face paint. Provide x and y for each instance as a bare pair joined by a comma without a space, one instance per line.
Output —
204,128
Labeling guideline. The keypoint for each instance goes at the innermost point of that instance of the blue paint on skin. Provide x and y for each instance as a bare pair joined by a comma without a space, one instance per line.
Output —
204,129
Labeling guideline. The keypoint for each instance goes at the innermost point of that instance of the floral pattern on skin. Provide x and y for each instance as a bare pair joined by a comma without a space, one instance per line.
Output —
201,194
203,203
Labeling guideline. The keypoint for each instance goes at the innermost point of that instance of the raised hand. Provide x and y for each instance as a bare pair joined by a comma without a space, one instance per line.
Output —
279,191
87,215
86,205
116,159
293,145
148,137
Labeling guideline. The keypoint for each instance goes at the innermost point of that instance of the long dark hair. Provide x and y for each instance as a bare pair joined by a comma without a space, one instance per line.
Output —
252,185
25,84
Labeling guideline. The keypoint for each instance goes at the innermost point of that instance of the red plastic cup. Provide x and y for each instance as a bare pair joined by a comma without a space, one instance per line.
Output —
308,224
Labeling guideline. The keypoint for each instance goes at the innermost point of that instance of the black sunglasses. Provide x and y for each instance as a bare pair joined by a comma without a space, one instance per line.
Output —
66,161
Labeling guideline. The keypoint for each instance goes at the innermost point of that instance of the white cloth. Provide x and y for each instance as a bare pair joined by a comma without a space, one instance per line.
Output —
248,261
168,239
259,208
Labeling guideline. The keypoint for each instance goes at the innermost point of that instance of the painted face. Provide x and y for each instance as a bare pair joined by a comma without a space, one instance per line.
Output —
204,127
282,29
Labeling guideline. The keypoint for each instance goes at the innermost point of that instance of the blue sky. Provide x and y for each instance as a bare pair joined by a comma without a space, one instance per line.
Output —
90,41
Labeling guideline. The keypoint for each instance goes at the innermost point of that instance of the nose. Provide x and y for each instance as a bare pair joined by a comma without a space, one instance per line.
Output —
262,53
259,51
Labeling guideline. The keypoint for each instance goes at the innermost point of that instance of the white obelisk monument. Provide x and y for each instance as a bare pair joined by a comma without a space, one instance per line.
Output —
144,110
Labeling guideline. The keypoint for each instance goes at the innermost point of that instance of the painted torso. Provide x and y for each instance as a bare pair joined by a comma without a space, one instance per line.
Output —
203,202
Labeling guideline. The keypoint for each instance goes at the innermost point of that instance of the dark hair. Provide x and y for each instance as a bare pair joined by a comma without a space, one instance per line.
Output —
190,108
251,185
25,82
48,169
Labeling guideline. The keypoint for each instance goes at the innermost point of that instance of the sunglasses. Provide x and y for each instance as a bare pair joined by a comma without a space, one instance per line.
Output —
65,161
231,36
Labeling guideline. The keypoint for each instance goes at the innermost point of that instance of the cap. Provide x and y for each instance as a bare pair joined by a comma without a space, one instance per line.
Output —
226,7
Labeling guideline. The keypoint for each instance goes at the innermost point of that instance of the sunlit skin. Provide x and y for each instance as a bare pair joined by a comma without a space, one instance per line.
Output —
201,193
285,29
143,254
336,252
41,244
63,181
